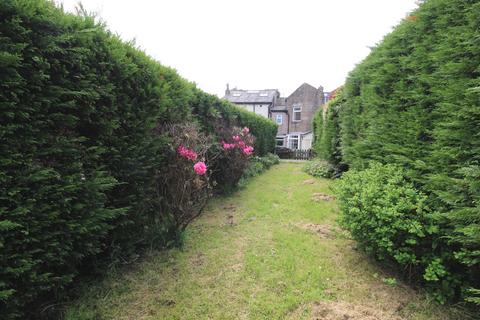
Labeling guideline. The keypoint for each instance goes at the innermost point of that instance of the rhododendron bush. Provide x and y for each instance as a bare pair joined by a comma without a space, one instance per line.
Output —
196,162
237,148
184,184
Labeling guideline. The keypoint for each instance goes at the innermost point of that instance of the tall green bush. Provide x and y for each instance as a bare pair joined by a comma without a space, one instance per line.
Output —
326,126
318,128
414,102
80,152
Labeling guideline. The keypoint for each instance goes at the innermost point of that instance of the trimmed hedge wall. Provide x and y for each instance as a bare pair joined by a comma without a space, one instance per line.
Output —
414,102
79,152
327,133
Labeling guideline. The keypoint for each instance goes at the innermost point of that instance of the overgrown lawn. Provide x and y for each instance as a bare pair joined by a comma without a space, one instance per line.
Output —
270,251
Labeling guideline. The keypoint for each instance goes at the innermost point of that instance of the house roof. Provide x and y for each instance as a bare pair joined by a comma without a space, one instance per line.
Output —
252,96
305,85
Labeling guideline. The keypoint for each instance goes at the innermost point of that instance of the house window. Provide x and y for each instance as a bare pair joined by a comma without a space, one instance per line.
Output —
279,141
294,141
297,113
279,119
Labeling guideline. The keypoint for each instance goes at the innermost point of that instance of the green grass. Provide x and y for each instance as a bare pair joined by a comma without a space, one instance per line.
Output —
257,255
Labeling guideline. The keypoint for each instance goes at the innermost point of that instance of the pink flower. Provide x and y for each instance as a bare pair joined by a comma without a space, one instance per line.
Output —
227,146
248,150
245,130
200,168
241,145
187,153
236,138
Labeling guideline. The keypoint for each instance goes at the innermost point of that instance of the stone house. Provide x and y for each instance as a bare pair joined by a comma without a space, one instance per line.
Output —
293,114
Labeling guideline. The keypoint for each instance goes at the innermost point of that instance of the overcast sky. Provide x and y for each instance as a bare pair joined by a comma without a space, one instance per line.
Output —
253,44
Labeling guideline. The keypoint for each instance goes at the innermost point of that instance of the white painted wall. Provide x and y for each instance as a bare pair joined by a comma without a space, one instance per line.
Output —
260,109
306,143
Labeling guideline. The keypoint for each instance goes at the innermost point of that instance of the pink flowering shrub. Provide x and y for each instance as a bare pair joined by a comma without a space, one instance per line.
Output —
240,141
184,185
236,149
196,165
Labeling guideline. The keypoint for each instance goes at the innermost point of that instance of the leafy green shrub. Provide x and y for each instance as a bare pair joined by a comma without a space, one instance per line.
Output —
387,215
254,169
258,165
391,221
319,168
268,160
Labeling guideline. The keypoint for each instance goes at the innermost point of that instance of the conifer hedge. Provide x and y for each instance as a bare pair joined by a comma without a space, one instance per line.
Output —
414,103
327,134
79,149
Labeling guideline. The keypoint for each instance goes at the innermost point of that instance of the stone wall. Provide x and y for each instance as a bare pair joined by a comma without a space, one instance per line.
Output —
282,128
309,99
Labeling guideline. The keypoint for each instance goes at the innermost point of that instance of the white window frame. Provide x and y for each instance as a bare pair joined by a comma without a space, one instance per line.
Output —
297,109
294,137
279,117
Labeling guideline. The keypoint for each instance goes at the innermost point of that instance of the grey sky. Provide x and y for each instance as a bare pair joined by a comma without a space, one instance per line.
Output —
254,44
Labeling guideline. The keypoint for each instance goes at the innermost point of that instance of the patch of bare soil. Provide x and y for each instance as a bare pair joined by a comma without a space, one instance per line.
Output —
231,214
230,207
309,181
317,197
338,310
324,231
230,220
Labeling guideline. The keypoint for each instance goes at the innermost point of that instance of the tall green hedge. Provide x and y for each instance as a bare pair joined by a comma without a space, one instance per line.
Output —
415,102
79,152
327,133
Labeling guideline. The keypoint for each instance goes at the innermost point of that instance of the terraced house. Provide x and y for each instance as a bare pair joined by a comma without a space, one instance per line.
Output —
293,114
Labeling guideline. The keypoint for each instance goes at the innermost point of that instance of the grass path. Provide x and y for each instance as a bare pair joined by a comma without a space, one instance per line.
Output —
270,251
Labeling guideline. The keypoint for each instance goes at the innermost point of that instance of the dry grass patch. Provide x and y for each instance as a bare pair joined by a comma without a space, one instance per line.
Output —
338,310
318,196
324,231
